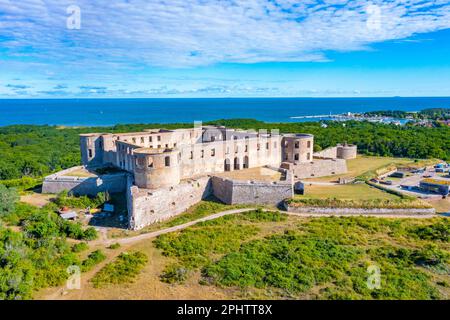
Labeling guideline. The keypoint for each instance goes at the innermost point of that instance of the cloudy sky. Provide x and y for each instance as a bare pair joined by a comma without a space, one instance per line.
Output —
223,48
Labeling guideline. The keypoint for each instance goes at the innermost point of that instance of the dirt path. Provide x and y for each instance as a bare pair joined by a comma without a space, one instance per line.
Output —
155,234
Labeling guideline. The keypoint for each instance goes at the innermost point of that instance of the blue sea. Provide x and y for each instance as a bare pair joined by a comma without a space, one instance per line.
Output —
105,112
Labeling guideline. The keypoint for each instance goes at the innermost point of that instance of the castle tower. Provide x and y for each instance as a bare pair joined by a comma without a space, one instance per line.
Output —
346,151
156,168
297,148
91,146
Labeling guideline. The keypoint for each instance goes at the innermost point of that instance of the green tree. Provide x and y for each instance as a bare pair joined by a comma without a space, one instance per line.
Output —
8,200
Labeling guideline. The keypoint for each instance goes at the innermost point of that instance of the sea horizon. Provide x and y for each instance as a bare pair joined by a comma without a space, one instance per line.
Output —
111,111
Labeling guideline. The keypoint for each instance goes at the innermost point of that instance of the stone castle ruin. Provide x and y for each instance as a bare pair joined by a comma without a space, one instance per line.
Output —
164,172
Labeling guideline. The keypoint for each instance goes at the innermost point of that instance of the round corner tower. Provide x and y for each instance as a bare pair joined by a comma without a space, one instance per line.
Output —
346,151
298,148
156,168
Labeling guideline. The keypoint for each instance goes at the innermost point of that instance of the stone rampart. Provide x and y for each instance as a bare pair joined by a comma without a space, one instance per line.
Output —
79,186
319,168
149,206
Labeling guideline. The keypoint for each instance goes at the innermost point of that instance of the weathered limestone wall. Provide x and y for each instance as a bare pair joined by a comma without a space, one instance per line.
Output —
251,192
222,189
261,192
330,153
56,183
319,168
150,206
347,151
147,206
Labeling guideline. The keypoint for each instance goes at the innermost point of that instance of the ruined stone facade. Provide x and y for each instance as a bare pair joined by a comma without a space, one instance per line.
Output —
164,172
160,158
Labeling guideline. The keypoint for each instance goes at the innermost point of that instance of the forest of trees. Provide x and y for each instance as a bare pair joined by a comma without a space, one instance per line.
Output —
430,114
34,151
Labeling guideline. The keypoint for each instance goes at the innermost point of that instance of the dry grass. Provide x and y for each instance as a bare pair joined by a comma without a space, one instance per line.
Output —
256,174
147,285
346,192
362,164
37,199
82,173
441,205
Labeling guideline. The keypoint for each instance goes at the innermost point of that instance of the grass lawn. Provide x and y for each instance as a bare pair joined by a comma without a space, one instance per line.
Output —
82,173
348,192
362,164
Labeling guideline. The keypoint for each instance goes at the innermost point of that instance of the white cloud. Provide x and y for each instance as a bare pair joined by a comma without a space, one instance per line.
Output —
179,33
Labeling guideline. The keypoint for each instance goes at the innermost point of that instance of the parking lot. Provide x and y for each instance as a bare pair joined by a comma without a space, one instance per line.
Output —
412,180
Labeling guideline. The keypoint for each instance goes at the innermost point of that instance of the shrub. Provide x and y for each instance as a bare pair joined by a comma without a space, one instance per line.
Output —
400,203
73,230
80,247
90,234
114,246
122,270
175,274
93,258
65,200
23,183
8,199
437,231
264,216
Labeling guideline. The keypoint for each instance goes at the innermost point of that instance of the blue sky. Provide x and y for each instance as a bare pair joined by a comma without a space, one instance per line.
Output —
224,48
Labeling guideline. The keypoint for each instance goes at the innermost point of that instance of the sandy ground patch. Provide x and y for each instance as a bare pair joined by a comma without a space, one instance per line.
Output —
255,174
37,199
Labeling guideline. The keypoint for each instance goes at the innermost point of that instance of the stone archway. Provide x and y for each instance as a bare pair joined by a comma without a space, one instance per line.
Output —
237,164
246,162
227,165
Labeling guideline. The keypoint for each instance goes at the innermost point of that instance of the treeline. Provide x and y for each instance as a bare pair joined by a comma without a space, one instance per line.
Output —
430,114
34,151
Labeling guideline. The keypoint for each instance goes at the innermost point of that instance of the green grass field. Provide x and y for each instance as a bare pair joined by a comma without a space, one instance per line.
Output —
363,164
360,191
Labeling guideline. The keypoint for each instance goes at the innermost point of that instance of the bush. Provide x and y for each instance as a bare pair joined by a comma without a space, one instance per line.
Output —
400,203
23,183
90,234
80,247
73,230
122,270
264,216
93,258
8,199
114,246
175,274
438,231
65,200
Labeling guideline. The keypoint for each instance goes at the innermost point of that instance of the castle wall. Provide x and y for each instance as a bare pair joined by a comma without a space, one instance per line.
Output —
319,168
90,186
346,151
151,206
251,192
330,153
146,206
222,189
